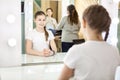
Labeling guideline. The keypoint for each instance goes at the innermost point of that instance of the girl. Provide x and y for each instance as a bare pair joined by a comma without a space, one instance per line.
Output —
39,39
95,59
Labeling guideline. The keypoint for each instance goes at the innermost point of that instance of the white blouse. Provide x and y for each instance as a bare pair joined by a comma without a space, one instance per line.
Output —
38,39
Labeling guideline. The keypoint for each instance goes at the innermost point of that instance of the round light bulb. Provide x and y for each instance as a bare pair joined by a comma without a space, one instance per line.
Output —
12,42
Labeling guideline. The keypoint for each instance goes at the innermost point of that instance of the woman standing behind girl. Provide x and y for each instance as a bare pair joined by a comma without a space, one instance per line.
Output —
70,26
39,39
51,22
95,59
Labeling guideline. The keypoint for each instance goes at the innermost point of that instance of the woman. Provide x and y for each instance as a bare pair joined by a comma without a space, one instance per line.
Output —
70,26
95,59
51,22
39,40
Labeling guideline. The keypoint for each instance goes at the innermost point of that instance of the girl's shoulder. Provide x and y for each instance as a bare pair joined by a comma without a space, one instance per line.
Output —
31,31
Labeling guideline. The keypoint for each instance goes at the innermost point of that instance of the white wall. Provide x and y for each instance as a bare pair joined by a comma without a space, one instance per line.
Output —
112,8
10,33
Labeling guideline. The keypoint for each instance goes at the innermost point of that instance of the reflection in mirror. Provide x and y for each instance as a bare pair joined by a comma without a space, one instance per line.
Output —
38,5
56,15
59,10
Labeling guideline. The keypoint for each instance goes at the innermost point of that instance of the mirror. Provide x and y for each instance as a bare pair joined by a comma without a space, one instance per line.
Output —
59,10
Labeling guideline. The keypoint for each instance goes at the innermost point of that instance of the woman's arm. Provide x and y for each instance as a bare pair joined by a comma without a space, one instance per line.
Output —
30,50
53,45
54,23
67,73
61,24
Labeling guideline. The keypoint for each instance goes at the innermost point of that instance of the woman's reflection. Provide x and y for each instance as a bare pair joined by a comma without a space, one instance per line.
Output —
39,40
70,26
51,22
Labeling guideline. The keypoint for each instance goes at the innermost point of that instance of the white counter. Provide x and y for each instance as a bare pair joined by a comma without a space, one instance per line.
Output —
30,59
47,68
36,72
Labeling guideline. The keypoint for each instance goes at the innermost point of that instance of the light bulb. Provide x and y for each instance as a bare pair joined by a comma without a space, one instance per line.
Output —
12,42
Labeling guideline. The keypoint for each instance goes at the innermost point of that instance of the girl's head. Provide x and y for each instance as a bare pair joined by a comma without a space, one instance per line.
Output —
97,18
72,14
49,12
40,19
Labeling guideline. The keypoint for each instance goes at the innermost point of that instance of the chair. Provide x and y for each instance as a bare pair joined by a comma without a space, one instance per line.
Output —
78,41
117,74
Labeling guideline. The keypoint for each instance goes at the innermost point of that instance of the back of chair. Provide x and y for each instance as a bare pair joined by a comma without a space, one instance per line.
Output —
117,74
78,41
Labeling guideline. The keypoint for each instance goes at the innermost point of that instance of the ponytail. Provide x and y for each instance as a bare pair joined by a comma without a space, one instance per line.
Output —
46,34
106,35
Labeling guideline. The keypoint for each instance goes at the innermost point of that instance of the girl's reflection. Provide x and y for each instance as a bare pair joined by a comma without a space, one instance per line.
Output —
39,39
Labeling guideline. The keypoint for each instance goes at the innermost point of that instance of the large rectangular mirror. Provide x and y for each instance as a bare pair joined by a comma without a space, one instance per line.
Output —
59,10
